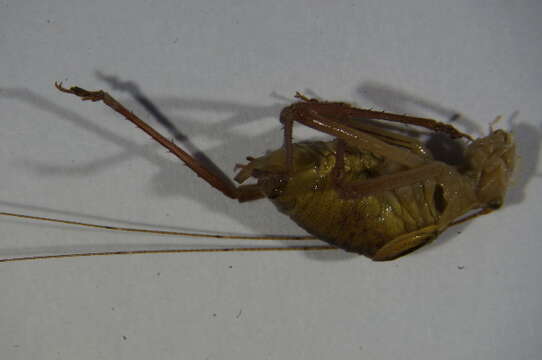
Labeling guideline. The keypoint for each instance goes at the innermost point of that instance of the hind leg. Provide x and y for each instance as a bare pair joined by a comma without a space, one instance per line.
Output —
220,183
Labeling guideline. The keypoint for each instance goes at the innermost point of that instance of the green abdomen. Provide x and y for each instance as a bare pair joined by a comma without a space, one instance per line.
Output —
362,225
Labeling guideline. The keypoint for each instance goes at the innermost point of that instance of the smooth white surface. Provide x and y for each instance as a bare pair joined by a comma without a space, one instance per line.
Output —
221,72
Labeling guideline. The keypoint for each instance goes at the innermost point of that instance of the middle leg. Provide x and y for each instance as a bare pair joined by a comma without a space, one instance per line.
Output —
327,123
340,110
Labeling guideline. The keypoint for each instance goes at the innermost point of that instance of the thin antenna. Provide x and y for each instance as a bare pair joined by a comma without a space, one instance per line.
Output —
161,232
154,231
170,251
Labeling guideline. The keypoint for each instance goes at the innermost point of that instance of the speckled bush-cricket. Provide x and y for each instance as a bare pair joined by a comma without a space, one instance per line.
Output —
371,190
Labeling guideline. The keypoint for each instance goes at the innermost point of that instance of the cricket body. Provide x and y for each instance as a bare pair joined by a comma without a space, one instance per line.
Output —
371,190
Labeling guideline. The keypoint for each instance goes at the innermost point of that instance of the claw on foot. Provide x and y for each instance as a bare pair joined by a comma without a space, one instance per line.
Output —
80,92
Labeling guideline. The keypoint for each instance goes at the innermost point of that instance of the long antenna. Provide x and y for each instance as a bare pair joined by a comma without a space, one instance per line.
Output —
161,232
169,251
155,231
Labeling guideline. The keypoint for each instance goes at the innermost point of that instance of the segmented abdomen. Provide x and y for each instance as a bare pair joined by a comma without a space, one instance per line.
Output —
365,224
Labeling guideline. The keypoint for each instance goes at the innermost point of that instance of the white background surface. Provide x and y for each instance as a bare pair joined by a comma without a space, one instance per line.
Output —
221,72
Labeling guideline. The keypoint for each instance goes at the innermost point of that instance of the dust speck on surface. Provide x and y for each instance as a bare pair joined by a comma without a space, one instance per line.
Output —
460,267
124,337
239,314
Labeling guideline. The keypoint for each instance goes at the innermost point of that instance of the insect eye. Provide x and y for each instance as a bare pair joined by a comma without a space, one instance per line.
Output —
439,200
